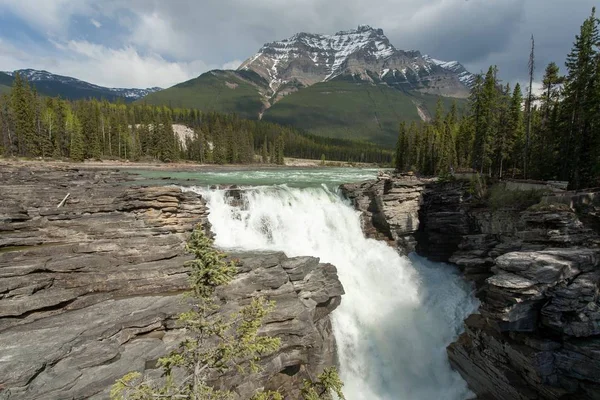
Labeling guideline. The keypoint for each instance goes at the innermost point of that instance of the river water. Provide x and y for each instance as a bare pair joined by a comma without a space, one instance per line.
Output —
398,313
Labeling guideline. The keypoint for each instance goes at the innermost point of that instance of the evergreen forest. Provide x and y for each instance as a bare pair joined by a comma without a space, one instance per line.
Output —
35,126
505,133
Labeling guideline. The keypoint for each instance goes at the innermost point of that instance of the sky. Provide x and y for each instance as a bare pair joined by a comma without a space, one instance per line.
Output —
146,43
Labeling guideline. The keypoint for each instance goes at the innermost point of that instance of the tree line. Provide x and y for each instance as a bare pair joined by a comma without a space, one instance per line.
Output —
36,126
552,136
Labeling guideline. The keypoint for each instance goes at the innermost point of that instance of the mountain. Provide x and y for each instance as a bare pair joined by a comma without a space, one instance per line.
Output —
353,84
242,92
366,53
50,84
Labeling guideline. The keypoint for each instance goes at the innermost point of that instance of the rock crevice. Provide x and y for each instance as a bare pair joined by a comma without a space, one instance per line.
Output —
536,335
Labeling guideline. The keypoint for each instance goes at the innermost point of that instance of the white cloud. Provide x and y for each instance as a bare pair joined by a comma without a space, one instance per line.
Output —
232,64
95,23
160,35
48,16
179,32
123,67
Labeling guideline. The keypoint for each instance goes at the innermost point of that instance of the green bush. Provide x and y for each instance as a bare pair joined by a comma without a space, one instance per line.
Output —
216,344
501,198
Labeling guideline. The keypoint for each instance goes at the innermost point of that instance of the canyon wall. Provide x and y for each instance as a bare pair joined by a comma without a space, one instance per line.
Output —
537,273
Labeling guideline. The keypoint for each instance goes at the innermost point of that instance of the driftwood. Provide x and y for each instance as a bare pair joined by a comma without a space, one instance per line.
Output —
62,203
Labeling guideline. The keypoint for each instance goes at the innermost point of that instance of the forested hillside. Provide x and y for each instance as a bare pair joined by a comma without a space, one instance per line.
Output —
556,135
351,85
220,91
351,109
34,126
49,84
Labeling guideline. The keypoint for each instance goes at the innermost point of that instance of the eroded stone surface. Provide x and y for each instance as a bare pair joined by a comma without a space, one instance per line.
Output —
390,208
89,291
538,278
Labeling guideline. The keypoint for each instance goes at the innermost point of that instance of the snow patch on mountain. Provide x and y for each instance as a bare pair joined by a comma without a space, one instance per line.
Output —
364,52
464,76
331,51
33,75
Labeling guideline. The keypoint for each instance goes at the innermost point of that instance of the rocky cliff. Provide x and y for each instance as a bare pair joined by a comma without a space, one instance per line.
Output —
538,274
389,208
89,290
364,53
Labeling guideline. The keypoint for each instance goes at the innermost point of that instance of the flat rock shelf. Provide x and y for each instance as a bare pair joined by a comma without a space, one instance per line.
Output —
90,290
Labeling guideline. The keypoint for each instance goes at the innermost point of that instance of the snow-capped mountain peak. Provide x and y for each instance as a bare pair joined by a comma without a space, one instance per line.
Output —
365,52
463,75
40,77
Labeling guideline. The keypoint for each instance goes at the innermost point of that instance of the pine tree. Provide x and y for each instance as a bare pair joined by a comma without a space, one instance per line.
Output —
167,144
6,126
279,150
528,107
485,121
447,153
48,121
24,117
265,151
62,140
550,81
516,135
401,148
464,142
546,134
578,105
73,127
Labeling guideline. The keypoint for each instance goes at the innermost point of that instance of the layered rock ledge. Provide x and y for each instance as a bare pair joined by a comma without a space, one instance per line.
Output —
537,271
389,208
89,290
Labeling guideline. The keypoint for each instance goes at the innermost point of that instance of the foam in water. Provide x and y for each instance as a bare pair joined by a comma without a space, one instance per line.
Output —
398,313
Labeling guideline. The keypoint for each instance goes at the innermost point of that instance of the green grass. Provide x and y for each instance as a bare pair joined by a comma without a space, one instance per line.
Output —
4,89
221,91
352,110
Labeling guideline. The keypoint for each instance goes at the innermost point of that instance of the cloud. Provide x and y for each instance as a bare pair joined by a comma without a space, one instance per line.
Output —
175,35
159,34
232,64
48,16
124,67
95,23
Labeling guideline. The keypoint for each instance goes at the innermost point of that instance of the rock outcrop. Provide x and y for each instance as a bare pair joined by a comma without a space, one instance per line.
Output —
89,290
536,335
389,208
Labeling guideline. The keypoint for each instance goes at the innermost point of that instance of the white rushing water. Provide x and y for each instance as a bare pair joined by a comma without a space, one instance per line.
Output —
398,313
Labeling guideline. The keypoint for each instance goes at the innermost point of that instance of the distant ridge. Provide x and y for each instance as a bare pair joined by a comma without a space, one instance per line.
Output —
50,84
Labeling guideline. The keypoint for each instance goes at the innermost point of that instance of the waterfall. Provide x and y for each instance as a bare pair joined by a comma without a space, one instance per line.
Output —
398,313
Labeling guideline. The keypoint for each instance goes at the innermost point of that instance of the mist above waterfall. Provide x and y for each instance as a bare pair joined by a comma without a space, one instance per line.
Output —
398,314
